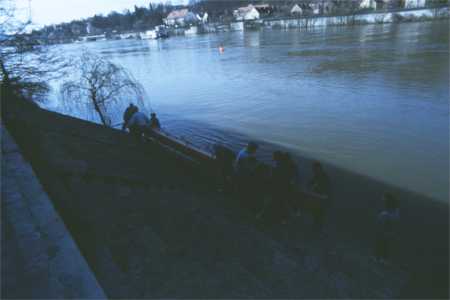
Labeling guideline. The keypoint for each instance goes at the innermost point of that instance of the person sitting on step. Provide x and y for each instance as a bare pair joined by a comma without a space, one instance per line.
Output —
139,125
154,122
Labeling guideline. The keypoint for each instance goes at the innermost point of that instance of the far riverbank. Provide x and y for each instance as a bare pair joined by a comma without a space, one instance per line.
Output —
362,19
304,22
301,22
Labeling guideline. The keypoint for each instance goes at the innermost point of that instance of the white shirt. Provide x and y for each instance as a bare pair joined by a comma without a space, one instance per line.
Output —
241,158
139,119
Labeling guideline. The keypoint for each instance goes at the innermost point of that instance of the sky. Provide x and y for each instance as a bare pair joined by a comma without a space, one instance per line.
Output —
46,12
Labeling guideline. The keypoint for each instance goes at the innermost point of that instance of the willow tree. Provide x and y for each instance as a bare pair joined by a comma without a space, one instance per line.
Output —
99,85
25,65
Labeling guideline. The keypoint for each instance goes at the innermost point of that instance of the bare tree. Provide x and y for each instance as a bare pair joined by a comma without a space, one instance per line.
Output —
99,85
25,65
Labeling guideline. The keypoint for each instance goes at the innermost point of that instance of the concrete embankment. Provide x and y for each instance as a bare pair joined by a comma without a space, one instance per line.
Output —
39,257
151,224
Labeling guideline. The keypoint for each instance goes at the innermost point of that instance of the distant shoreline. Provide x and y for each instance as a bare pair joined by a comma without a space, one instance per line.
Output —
302,22
400,16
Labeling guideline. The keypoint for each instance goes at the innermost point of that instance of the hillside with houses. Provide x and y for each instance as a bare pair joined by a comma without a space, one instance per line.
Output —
160,20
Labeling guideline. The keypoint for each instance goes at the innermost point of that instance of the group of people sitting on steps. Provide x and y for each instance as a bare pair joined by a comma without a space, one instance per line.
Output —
138,123
274,194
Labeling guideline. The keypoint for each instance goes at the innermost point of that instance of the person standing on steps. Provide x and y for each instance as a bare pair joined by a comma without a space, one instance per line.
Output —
128,113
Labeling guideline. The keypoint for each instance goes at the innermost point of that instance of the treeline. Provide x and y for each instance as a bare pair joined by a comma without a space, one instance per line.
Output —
142,18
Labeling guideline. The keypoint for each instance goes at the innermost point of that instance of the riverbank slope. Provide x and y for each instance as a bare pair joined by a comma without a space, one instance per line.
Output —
151,224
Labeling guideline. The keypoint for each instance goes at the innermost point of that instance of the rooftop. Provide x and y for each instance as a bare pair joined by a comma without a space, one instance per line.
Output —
181,13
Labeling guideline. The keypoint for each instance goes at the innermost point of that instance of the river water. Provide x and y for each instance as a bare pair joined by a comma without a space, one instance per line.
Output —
371,99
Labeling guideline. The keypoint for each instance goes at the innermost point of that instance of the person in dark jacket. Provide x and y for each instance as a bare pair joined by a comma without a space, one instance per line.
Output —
245,158
129,112
245,166
387,223
224,159
284,180
319,188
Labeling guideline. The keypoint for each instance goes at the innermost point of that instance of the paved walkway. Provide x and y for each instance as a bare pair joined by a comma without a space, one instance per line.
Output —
40,258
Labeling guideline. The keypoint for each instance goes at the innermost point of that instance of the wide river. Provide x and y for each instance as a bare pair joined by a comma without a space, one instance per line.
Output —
371,99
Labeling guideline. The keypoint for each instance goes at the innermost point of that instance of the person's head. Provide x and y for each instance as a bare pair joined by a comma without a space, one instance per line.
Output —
390,202
153,115
317,167
252,147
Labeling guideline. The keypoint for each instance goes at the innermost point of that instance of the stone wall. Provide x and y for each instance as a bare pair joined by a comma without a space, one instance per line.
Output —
46,261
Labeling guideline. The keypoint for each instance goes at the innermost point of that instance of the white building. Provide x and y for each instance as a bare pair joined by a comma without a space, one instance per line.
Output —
246,13
414,3
368,4
315,8
180,17
296,10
